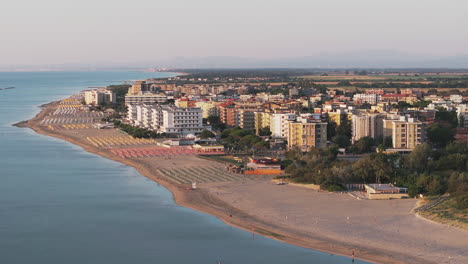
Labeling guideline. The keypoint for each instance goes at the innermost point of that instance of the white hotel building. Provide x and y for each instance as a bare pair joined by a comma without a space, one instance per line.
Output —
279,124
167,119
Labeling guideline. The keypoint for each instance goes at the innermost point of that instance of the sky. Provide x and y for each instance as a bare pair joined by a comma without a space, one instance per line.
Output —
49,32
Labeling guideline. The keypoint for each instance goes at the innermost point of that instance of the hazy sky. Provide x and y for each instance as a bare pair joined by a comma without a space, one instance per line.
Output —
89,31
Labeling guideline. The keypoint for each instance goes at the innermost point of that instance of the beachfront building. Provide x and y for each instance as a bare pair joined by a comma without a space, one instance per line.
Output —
279,124
307,135
99,97
181,121
209,148
167,119
366,125
143,115
385,191
407,133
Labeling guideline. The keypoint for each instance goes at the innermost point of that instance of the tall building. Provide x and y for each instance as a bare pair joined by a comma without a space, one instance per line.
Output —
181,121
279,124
407,133
143,115
167,119
339,116
262,120
245,119
99,97
366,125
132,112
306,135
223,109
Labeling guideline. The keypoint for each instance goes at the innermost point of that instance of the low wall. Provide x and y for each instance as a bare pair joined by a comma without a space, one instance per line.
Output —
264,172
386,196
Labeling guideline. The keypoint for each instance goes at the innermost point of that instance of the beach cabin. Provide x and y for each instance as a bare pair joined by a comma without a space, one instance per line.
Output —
379,191
209,148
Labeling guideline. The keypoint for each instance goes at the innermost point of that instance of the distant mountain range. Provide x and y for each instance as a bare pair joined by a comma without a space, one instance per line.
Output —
361,59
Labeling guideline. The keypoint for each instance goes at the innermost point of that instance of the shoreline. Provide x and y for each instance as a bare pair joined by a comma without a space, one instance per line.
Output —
201,200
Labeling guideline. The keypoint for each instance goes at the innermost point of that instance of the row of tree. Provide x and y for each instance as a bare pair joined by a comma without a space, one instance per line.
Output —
138,132
242,140
424,170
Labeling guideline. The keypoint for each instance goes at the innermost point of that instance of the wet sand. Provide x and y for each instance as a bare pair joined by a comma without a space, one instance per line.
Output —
377,231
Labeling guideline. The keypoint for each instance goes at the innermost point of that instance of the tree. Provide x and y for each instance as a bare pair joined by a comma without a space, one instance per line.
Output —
344,83
265,131
206,134
344,128
215,122
445,116
402,105
440,134
421,104
363,145
418,159
342,141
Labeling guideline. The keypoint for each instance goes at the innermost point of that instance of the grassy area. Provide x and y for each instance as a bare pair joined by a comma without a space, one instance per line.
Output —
446,213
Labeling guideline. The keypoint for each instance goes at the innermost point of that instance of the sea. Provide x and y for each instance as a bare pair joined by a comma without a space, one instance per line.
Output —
60,204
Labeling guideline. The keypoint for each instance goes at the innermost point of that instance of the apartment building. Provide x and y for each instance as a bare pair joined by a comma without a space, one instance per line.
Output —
209,108
223,110
167,119
262,120
99,97
143,115
407,133
245,119
306,135
145,98
367,98
279,124
181,121
366,125
339,116
395,98
138,87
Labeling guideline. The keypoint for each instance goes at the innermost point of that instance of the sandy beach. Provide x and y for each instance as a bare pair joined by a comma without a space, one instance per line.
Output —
377,231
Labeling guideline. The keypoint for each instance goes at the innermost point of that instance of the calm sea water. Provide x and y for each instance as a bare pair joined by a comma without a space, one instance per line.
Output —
60,204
